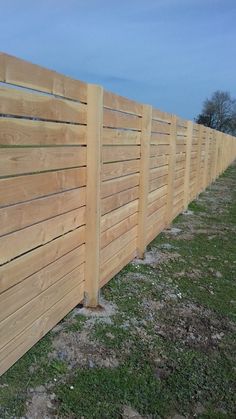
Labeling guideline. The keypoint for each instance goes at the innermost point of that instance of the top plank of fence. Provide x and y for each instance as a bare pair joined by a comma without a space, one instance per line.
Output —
121,103
158,115
24,74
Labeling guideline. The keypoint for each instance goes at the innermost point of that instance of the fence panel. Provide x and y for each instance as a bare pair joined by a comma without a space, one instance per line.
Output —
87,179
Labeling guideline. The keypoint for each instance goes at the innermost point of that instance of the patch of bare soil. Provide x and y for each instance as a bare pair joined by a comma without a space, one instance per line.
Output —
78,350
192,325
41,404
154,257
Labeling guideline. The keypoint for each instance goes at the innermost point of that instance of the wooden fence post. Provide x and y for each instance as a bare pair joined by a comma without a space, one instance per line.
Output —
171,170
217,154
144,178
206,159
187,163
199,158
93,213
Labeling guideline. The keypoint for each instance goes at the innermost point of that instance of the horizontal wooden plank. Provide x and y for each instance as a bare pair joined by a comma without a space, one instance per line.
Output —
179,173
22,132
32,105
158,183
182,123
181,131
118,229
116,245
112,136
27,314
115,119
110,187
114,170
14,161
180,157
179,165
158,150
178,207
156,205
157,194
25,214
157,139
154,230
29,263
120,153
112,218
161,116
160,127
158,161
25,188
117,262
120,103
180,148
22,241
115,201
177,183
158,172
23,73
25,291
158,215
178,195
26,339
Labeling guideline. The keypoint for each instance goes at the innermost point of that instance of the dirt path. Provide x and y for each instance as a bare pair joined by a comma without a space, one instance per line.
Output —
164,344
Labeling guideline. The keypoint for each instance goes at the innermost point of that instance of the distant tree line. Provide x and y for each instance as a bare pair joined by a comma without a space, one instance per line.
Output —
219,112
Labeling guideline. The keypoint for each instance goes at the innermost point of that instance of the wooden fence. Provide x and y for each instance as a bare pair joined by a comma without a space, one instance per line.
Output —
87,180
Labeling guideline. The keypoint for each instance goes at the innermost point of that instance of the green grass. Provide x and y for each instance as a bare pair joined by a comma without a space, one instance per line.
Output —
157,374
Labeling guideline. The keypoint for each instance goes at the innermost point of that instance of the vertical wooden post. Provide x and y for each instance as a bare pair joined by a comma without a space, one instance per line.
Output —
213,155
206,158
144,178
199,155
217,154
171,169
187,163
93,215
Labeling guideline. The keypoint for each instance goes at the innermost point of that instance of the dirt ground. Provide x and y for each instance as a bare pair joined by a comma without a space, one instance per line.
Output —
162,345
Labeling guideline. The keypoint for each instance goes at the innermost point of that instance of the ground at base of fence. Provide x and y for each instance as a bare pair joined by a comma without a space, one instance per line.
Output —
162,347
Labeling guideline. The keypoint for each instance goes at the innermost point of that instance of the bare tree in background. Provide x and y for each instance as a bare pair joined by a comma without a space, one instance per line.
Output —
219,112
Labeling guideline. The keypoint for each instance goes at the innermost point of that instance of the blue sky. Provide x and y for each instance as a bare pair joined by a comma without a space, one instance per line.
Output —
169,53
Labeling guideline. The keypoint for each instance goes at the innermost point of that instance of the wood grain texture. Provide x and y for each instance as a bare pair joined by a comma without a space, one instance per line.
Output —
171,170
26,188
21,132
114,217
23,73
113,186
93,195
26,339
115,201
118,229
25,291
15,161
144,178
187,163
115,119
20,268
118,169
121,103
22,241
120,137
19,103
22,215
117,262
120,153
28,313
